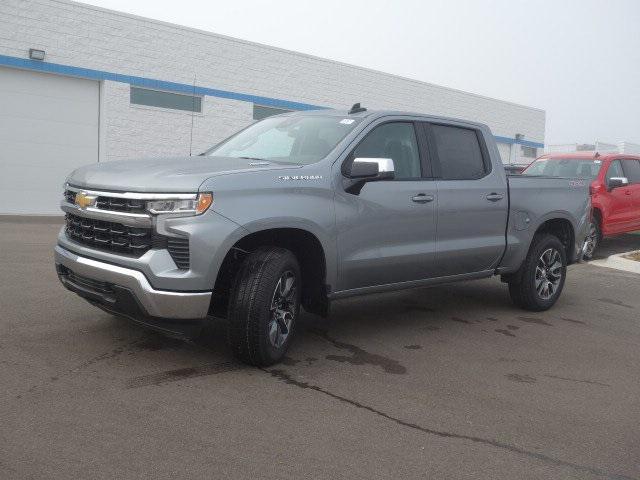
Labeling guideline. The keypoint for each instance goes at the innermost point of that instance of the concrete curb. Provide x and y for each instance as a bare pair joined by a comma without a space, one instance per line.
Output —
619,262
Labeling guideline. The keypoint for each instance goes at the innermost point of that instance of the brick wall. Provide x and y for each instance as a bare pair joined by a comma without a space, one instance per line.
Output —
91,37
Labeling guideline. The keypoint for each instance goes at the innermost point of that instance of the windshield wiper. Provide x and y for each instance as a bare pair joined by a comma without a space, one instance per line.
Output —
254,158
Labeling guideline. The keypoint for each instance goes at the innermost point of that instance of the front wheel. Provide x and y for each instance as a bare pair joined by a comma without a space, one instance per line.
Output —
264,306
540,280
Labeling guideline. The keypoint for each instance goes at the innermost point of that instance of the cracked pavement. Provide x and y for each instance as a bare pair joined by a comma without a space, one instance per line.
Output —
443,382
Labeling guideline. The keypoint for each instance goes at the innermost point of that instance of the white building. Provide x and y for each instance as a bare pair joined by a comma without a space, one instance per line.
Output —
601,147
114,86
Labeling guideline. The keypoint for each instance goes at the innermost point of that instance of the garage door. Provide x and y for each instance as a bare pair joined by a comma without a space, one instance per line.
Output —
48,127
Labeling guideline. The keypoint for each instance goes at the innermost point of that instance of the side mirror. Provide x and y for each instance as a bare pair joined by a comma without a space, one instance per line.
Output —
615,182
363,170
371,169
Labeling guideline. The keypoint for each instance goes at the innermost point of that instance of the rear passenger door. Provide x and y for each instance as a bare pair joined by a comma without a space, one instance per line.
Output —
472,203
631,169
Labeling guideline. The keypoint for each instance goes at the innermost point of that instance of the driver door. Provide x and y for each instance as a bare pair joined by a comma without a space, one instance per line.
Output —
386,232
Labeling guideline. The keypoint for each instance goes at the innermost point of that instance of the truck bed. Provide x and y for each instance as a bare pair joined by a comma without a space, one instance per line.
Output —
533,200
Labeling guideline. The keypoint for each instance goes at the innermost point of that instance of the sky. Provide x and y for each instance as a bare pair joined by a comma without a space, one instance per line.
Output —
579,60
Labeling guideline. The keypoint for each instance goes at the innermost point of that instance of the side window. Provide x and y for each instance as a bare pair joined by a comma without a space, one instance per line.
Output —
396,141
631,170
615,170
459,153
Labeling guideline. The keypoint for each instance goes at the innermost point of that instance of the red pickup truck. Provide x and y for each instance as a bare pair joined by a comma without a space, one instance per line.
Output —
615,189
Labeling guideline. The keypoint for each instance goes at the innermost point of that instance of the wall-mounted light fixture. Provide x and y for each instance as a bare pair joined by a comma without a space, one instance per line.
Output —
35,54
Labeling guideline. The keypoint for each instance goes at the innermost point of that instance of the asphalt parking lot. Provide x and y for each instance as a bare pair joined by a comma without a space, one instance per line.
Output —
446,382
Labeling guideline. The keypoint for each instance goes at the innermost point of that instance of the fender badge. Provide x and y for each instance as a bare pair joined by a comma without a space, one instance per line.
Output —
300,177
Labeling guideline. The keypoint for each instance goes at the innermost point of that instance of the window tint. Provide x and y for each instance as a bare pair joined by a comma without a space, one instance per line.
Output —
396,141
615,170
459,153
260,111
631,170
156,98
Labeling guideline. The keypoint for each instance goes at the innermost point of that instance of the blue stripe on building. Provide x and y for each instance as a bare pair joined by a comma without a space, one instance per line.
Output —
91,74
511,141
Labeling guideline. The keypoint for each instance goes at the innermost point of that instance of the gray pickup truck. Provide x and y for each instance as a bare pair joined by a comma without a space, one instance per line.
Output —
304,208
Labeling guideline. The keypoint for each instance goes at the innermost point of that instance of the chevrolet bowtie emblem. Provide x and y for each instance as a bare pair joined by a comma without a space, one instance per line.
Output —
84,200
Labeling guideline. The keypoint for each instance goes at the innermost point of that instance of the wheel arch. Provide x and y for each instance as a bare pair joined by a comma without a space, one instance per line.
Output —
308,250
562,228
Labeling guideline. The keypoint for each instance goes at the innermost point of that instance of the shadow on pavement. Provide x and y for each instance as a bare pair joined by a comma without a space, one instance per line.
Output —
618,244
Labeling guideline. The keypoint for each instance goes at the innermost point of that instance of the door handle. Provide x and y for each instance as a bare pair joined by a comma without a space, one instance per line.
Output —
627,192
422,198
495,197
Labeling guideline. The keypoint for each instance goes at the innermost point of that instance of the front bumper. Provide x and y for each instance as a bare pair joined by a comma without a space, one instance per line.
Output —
128,293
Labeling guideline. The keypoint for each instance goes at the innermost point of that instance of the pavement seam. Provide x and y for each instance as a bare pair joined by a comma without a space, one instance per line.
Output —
289,380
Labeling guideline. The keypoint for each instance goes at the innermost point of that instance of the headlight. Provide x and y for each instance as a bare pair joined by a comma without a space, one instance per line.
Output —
192,206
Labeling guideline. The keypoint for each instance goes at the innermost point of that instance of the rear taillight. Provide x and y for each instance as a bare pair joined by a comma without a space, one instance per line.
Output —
594,188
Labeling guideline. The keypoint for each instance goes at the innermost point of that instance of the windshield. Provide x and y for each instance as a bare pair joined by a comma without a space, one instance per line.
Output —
299,139
564,167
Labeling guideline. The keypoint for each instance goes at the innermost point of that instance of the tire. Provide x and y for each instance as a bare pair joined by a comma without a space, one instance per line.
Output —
264,305
539,282
593,239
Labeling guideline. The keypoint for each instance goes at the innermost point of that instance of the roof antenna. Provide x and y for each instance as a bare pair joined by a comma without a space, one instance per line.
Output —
357,109
193,109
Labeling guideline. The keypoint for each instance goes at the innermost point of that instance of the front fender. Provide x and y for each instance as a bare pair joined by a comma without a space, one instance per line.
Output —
301,198
322,232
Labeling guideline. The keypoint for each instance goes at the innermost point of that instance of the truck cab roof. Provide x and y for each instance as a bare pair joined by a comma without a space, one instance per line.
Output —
374,114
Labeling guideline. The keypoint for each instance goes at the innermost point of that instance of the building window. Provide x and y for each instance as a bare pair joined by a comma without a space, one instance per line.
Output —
260,111
157,98
529,152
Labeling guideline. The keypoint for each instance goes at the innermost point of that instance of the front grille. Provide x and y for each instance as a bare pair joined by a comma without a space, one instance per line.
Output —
70,196
125,240
129,205
109,236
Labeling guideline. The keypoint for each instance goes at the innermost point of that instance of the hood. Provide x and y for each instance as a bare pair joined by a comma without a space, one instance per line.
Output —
179,174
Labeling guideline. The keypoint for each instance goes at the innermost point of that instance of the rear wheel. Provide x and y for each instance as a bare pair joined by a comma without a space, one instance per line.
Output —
264,306
593,239
540,280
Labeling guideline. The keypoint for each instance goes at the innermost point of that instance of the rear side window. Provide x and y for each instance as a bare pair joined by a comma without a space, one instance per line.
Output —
459,153
631,170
